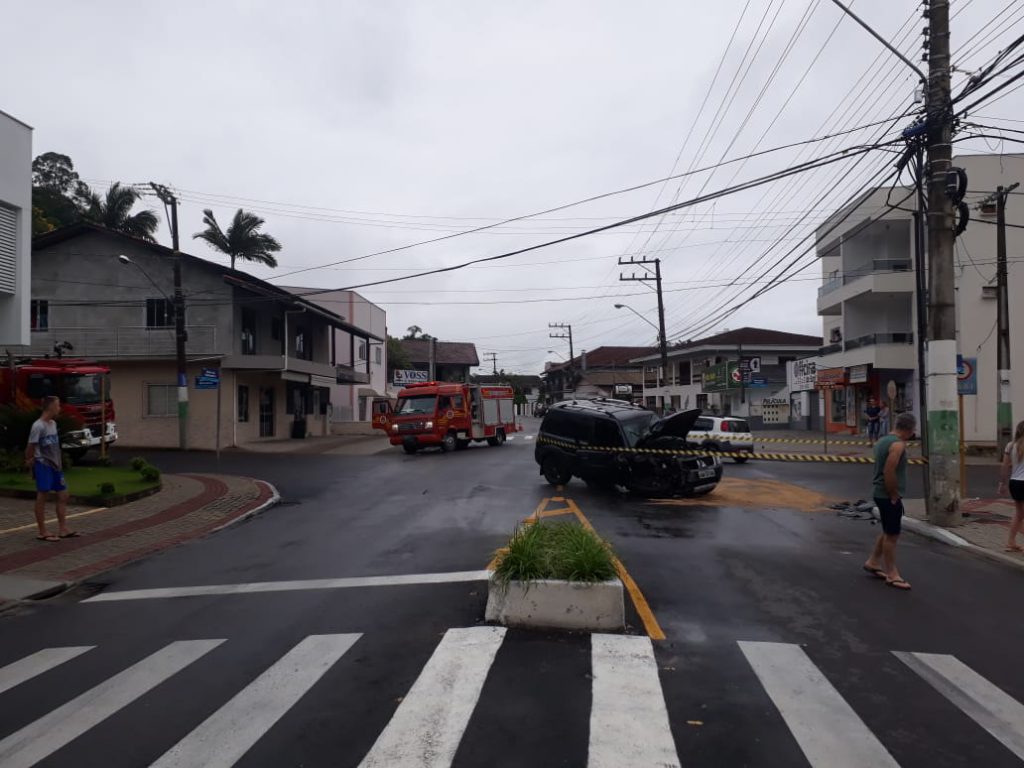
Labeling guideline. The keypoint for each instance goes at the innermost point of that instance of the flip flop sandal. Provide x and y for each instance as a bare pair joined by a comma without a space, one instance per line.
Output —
1014,549
70,535
898,584
878,573
50,539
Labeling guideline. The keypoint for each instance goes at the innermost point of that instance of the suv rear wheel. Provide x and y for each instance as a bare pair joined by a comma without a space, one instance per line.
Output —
556,470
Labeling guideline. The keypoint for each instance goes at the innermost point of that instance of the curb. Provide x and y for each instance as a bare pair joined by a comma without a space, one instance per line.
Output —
275,497
922,528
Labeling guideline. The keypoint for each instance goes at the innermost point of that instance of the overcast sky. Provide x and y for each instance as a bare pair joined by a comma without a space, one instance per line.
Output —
359,127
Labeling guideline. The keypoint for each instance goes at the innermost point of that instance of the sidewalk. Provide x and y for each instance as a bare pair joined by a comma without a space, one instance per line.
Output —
984,528
337,445
189,506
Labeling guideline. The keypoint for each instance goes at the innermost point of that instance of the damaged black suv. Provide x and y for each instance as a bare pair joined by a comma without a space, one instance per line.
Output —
591,439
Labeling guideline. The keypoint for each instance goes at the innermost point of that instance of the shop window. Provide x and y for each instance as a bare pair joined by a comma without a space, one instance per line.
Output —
838,409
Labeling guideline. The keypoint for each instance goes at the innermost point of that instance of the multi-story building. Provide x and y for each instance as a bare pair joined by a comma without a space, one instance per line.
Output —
706,373
600,372
105,296
15,229
868,300
350,402
443,360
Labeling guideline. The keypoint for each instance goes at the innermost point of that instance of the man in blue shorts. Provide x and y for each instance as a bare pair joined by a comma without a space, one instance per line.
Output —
890,483
43,456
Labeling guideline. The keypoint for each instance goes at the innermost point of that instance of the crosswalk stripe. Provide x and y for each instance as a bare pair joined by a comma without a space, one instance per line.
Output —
823,724
976,697
628,719
19,671
233,729
428,725
40,739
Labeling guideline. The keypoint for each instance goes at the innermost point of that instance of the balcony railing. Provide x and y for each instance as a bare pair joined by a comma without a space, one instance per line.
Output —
830,349
871,339
878,266
124,341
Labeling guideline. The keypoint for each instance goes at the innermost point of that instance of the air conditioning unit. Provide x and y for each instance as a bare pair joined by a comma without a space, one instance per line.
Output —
989,292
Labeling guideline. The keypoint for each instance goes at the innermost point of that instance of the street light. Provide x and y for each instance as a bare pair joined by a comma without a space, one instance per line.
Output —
626,306
126,261
662,370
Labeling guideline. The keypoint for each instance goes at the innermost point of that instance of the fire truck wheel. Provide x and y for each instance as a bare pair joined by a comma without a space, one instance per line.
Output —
410,448
449,442
498,439
555,471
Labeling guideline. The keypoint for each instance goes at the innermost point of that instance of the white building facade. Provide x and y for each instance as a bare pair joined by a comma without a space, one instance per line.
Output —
868,299
15,230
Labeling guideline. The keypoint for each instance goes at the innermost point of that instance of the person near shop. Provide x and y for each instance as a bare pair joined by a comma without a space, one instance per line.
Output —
890,482
1012,481
873,415
883,419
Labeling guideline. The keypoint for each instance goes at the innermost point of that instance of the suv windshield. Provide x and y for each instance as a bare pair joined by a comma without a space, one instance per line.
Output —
420,404
635,427
84,388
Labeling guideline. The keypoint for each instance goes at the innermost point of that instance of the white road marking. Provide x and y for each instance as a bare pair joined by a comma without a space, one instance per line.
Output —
823,724
40,739
528,437
628,719
983,702
19,671
427,727
232,730
290,586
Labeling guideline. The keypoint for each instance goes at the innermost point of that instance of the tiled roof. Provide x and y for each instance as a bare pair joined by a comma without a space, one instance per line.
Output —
448,352
607,357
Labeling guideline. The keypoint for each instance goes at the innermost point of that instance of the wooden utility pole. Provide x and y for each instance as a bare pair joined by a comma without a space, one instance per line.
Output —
662,341
567,328
943,501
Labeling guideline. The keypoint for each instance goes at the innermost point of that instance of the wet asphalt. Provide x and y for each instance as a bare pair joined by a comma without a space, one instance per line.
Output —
712,576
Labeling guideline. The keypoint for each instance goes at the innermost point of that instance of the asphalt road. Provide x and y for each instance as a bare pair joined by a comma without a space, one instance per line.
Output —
779,650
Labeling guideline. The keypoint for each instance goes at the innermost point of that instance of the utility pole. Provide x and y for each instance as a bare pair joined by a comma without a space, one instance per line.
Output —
493,357
1004,412
943,501
180,334
662,341
567,328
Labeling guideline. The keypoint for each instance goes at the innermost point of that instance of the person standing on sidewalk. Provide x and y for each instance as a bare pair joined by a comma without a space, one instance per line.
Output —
43,456
873,414
883,418
1013,480
890,482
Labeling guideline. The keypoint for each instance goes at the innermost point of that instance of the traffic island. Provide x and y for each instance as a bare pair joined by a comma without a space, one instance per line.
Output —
556,576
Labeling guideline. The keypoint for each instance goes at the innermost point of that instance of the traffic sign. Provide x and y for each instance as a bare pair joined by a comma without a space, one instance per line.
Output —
966,375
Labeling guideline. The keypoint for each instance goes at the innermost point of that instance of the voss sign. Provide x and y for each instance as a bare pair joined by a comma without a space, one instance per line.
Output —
401,378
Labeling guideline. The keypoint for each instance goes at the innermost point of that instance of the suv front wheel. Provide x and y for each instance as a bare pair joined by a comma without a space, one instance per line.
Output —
556,471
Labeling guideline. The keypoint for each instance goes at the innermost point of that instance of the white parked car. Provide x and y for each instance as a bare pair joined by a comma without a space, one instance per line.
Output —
722,433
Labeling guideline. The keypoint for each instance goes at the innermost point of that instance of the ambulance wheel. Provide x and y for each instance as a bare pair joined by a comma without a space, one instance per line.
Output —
555,471
410,448
449,443
498,439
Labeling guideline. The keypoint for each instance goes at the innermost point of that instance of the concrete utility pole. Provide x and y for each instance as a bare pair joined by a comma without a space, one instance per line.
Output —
180,334
662,341
1004,412
943,501
567,328
493,357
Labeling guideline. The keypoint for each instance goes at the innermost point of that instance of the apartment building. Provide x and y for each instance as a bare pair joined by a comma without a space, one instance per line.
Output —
868,301
15,228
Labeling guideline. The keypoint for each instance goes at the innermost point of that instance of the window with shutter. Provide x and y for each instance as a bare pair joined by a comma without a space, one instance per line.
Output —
8,249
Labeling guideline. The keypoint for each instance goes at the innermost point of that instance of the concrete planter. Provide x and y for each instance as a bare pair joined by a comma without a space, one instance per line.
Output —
557,604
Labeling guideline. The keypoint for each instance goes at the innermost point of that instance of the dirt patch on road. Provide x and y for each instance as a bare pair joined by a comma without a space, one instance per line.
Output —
736,492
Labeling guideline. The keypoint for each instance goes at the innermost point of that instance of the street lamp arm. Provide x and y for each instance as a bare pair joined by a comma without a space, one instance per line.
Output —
125,260
626,306
883,41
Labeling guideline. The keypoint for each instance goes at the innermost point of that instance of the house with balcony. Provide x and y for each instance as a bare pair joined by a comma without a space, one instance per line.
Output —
600,372
442,360
105,296
868,297
730,373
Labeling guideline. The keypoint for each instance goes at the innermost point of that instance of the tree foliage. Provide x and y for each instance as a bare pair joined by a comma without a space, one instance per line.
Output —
415,332
242,239
114,211
58,194
398,359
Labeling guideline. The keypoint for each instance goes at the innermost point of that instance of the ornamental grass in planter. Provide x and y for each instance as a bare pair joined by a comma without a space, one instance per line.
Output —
558,575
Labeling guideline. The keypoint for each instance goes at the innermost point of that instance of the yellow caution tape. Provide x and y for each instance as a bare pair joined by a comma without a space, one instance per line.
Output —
805,457
817,441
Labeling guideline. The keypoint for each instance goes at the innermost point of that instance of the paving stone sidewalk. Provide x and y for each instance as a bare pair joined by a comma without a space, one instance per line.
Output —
189,506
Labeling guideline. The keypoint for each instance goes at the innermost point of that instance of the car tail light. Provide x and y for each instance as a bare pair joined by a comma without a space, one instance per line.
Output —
725,426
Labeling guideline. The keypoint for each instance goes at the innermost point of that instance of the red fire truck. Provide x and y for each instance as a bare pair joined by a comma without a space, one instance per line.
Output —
449,416
83,389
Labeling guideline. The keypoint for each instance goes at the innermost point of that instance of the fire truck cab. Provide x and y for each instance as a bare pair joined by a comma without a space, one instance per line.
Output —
448,416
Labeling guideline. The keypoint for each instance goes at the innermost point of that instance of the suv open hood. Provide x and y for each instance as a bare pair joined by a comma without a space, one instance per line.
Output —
676,425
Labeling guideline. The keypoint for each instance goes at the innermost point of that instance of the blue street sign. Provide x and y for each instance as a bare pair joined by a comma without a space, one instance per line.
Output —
208,379
966,375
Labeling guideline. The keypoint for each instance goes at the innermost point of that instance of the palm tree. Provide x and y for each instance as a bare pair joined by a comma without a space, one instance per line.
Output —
243,240
114,211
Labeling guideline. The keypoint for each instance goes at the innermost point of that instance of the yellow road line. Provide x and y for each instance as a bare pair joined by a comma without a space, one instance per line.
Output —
651,624
70,517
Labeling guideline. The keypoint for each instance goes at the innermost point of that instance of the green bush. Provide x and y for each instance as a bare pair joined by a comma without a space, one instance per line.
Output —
107,489
12,460
150,473
103,461
563,551
138,463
